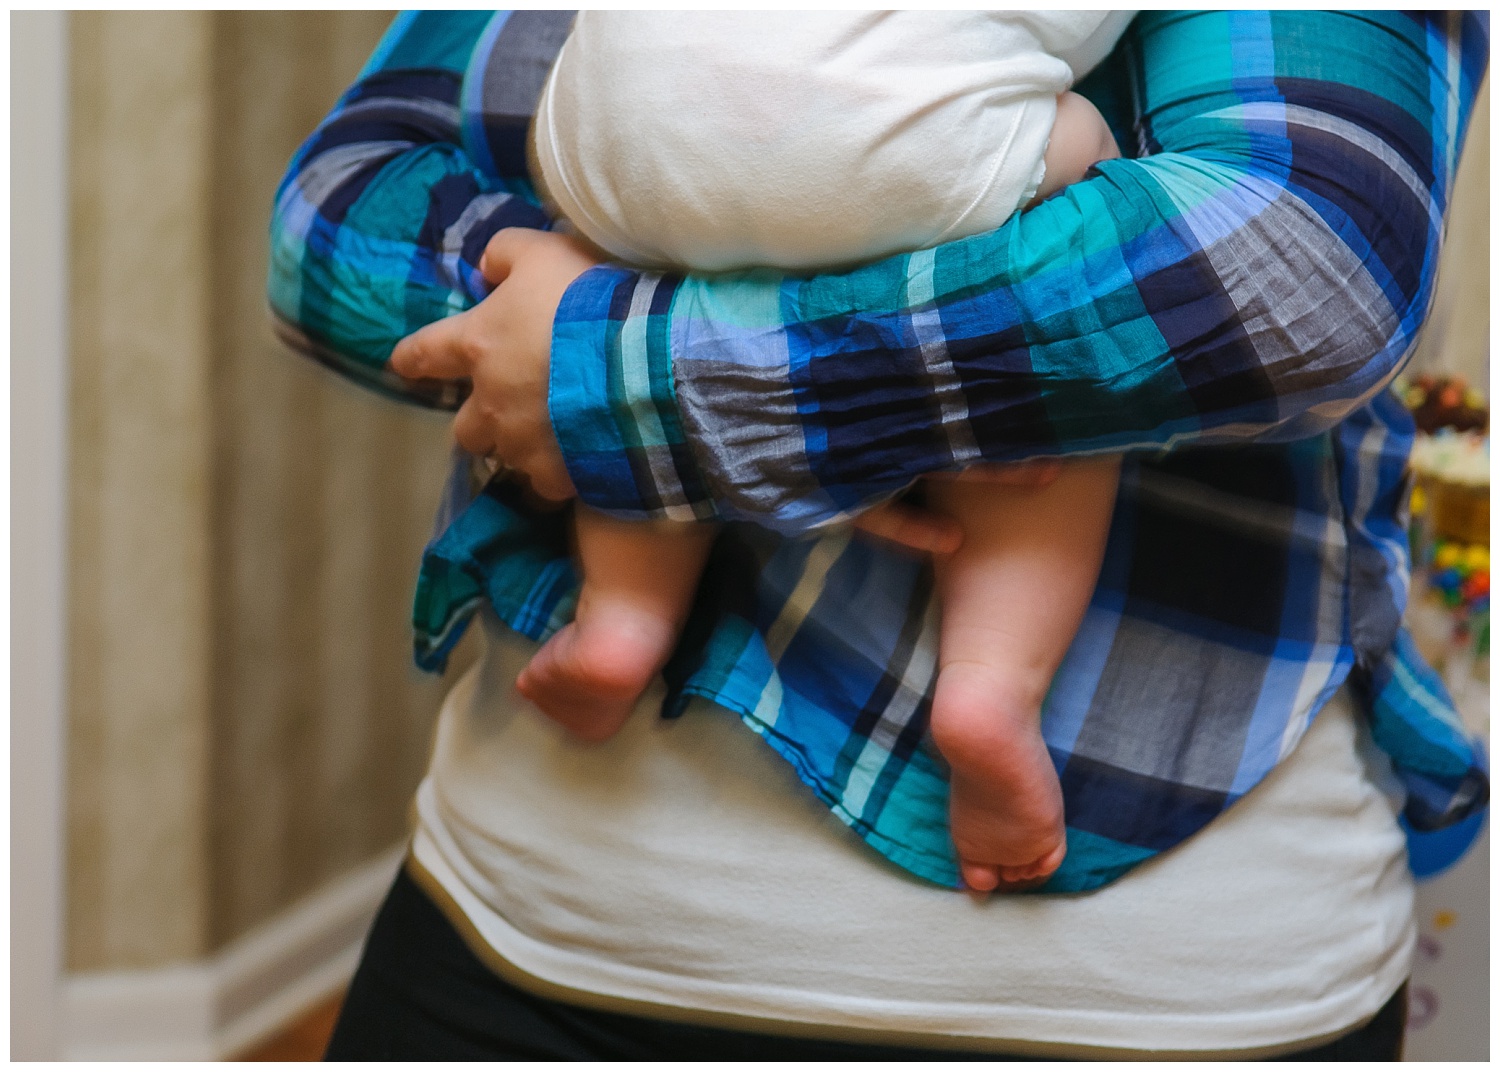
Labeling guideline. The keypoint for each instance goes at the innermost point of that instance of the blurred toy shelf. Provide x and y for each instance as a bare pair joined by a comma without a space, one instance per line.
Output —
1449,619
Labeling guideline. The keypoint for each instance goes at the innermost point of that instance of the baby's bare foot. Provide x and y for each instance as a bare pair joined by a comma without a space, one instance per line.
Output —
588,677
1006,809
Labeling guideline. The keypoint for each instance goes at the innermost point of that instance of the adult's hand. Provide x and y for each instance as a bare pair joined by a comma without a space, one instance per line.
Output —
503,347
932,533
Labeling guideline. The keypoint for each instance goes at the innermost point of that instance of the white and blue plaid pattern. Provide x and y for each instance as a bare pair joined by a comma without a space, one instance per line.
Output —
1226,306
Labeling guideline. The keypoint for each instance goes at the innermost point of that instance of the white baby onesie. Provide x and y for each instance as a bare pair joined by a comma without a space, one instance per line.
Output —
804,140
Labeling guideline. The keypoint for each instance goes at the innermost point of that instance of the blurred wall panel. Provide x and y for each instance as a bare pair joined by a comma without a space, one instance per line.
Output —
245,721
325,496
1456,340
140,439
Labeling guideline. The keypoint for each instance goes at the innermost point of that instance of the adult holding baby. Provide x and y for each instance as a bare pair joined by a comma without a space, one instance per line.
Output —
679,875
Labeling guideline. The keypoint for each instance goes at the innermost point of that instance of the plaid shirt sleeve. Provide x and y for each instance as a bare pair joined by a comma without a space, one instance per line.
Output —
1258,270
1256,273
385,210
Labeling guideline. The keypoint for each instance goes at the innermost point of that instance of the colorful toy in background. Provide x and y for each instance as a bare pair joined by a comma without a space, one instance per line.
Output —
1452,471
1449,611
1458,577
1461,574
1444,402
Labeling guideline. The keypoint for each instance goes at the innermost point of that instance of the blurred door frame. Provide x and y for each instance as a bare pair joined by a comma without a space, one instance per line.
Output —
38,443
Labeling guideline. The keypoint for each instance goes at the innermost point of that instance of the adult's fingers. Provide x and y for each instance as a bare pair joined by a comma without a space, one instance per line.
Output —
555,251
502,251
474,430
438,351
918,530
553,487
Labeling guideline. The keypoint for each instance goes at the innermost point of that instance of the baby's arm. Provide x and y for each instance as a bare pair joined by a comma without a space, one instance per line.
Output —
1080,139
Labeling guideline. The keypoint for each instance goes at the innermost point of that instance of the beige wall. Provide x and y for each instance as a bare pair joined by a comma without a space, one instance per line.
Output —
1457,337
244,720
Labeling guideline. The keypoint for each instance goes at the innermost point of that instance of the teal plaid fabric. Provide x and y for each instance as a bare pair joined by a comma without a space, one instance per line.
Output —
1226,306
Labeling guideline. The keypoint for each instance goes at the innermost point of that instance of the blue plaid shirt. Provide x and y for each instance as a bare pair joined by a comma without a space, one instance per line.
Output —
1225,306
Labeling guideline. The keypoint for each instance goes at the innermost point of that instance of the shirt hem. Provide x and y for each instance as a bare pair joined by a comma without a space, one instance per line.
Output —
523,962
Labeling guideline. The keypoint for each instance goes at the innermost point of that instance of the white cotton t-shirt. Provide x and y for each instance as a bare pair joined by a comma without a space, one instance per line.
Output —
681,871
798,139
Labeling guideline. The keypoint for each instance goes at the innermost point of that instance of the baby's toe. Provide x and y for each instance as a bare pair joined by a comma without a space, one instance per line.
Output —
1052,861
1023,873
980,877
1039,868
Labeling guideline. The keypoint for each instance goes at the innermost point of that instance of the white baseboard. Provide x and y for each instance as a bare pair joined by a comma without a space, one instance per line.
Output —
212,1008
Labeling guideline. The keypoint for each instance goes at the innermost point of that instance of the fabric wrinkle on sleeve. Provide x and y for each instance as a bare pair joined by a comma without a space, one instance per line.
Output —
381,220
1237,283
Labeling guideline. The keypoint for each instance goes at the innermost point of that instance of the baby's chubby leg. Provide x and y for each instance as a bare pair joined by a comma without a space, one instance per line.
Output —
1080,139
639,579
1013,596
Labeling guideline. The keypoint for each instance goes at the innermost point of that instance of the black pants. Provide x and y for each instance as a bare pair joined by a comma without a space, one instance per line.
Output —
421,994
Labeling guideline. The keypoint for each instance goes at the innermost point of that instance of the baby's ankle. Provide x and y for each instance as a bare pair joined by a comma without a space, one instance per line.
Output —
589,677
624,649
979,708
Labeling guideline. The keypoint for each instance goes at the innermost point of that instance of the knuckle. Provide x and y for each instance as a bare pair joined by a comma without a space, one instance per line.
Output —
405,358
471,348
466,440
468,432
